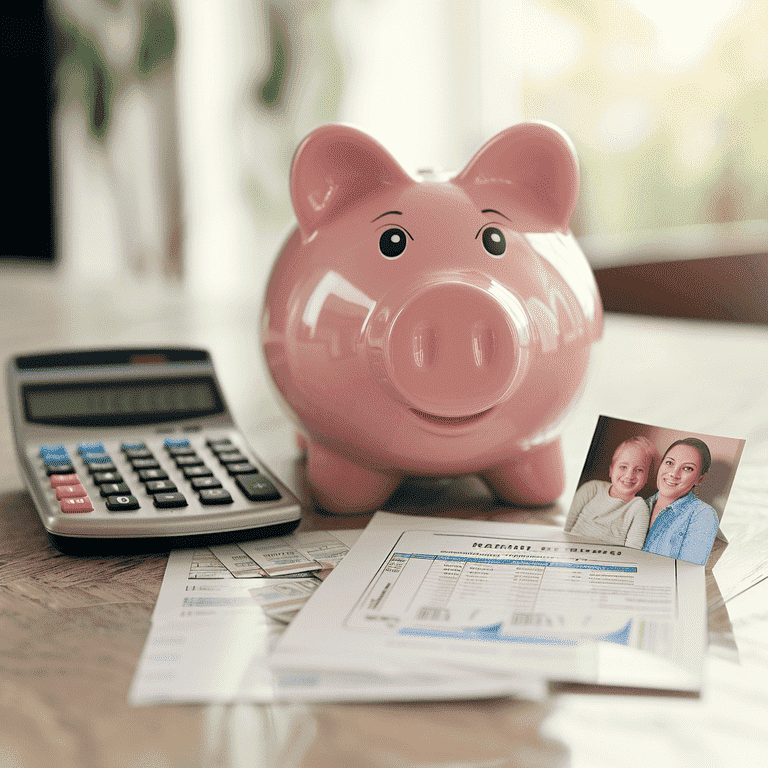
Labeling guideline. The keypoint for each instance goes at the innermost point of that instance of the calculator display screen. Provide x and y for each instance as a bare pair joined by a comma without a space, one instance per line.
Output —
123,402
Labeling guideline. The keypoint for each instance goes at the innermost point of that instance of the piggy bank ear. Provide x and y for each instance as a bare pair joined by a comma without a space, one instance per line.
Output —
532,164
334,168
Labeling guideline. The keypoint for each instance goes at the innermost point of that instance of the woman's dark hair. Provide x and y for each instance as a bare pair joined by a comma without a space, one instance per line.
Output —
700,446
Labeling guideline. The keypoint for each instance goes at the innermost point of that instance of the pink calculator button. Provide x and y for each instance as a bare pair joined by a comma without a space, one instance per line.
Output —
70,491
57,480
76,504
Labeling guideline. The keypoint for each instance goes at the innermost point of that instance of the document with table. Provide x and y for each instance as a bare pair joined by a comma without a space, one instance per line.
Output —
422,608
506,598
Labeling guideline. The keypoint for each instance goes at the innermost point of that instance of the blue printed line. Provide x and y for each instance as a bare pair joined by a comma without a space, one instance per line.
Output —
493,634
479,634
502,561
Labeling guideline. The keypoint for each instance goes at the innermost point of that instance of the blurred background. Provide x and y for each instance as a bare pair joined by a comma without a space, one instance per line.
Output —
150,140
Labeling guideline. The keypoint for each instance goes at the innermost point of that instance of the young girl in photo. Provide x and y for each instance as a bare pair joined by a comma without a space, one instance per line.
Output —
612,512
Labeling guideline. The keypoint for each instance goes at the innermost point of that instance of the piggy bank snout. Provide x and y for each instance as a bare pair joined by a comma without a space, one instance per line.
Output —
450,350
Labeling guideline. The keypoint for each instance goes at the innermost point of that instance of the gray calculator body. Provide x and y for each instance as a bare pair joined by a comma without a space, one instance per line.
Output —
135,449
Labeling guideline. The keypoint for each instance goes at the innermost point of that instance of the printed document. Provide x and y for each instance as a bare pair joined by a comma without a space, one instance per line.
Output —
219,614
435,593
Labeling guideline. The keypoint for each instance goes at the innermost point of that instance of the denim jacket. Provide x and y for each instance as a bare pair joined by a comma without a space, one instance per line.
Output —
685,530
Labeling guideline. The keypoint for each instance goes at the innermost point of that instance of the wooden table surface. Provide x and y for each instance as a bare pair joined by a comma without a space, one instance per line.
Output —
72,629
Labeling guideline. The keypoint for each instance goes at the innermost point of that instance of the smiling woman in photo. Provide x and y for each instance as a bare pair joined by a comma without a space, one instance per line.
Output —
681,525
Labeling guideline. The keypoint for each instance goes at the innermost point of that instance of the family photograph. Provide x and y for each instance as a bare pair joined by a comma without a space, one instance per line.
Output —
652,488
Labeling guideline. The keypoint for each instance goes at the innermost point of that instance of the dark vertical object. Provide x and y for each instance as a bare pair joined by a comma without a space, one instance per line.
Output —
595,455
27,230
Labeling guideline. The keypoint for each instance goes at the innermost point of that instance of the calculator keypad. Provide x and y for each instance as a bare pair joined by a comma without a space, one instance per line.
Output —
153,477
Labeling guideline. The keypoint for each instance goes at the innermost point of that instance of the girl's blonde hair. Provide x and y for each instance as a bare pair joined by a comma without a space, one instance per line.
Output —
646,446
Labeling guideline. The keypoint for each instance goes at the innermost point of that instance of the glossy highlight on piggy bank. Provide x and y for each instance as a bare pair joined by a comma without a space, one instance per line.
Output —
431,328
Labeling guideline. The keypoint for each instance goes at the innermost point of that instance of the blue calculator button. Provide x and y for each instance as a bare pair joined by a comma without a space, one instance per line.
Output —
172,442
133,446
53,450
84,448
56,458
97,460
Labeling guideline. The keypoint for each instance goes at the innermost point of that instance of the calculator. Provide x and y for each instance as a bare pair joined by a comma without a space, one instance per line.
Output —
135,449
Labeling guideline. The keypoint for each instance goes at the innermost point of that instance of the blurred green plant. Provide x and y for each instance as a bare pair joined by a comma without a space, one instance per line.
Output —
299,87
270,91
83,71
157,39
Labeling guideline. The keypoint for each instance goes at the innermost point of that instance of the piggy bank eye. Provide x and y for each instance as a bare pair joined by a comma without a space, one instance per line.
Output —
392,243
494,241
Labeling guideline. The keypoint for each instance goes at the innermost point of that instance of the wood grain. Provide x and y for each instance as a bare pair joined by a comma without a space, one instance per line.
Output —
72,632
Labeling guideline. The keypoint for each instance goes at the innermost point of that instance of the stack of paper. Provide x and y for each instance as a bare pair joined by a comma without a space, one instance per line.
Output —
423,608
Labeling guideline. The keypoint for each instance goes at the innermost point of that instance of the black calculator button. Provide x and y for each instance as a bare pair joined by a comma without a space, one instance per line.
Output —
95,456
145,463
232,457
122,503
101,466
138,453
221,445
215,496
107,477
160,486
190,472
198,483
189,461
152,474
242,468
59,469
114,489
181,450
170,500
257,488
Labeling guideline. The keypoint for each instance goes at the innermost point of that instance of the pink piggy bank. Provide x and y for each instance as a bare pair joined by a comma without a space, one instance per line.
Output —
424,328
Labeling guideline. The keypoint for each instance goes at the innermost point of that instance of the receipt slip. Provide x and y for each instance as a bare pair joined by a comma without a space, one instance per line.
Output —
282,601
320,546
278,557
237,562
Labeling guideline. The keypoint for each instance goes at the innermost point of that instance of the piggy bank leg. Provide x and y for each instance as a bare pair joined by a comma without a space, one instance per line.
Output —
533,479
343,487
